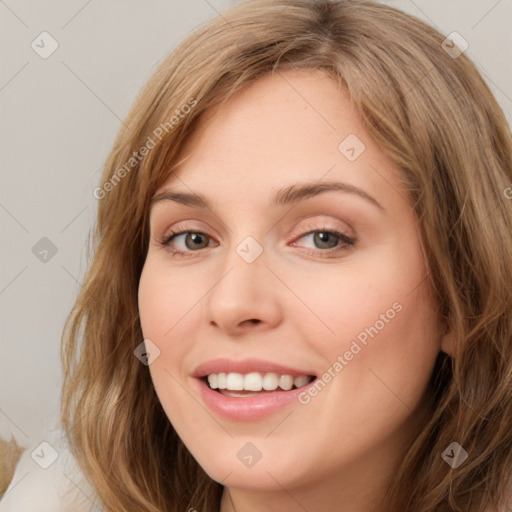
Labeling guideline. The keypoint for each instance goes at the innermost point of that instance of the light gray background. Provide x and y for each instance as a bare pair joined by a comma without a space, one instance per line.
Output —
59,117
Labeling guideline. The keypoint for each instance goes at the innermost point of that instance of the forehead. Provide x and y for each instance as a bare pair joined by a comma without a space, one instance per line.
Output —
294,127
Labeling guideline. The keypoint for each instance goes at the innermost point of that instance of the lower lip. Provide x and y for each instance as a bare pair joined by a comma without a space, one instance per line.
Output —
247,408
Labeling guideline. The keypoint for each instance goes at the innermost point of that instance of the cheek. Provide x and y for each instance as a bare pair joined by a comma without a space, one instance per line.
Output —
164,299
378,314
169,306
388,337
360,294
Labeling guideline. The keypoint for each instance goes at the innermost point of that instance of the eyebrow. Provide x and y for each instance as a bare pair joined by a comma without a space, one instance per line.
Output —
289,195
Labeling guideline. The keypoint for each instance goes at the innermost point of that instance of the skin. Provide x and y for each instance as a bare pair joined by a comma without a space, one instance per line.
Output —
339,451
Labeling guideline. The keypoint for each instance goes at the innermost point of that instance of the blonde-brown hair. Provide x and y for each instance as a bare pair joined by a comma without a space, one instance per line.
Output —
437,119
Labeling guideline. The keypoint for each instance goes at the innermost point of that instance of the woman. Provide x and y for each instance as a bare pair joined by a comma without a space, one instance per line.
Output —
341,338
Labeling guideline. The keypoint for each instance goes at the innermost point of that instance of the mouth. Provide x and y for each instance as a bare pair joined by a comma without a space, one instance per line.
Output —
241,385
249,389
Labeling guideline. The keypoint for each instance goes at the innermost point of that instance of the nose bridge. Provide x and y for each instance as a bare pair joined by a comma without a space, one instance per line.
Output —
242,270
243,290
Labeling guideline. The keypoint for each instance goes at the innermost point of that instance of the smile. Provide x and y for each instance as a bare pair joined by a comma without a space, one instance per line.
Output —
255,382
251,389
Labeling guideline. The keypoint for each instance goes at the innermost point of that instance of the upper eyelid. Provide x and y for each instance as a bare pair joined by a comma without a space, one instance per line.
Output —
304,231
316,224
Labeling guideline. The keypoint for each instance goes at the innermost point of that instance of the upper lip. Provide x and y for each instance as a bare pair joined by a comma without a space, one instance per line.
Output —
245,366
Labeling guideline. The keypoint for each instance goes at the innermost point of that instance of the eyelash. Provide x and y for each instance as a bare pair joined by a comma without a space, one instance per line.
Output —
347,242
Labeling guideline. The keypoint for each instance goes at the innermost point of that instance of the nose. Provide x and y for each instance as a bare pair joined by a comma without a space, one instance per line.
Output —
244,296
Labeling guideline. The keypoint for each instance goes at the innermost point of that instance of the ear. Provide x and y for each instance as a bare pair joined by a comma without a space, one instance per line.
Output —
448,343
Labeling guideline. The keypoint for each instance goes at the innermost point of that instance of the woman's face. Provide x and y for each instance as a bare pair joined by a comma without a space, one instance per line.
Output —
266,292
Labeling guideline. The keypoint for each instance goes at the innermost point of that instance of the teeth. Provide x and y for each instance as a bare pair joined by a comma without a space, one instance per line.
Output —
235,381
213,380
286,382
221,381
301,381
256,381
252,382
270,381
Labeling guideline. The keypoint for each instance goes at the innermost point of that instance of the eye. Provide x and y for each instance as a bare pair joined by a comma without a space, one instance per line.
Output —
192,240
327,241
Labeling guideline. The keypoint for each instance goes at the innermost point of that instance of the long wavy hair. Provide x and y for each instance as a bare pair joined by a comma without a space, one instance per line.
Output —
433,114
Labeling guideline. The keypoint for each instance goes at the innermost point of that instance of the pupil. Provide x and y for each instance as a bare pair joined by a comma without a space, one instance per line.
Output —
196,238
323,237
